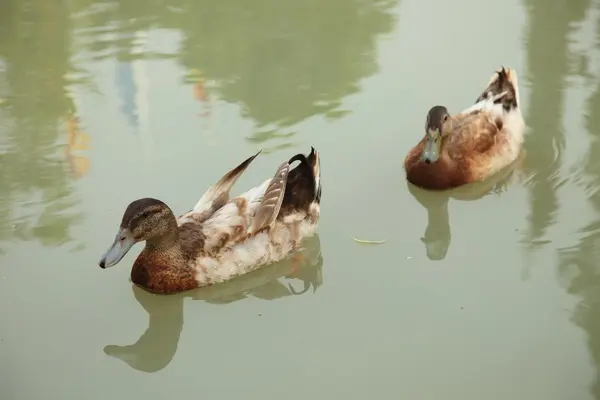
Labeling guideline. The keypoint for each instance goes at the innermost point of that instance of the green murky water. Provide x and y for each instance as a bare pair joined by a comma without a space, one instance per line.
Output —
493,293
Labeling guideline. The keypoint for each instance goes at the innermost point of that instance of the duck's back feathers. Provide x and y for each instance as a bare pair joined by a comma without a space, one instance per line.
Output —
245,234
473,135
290,192
503,81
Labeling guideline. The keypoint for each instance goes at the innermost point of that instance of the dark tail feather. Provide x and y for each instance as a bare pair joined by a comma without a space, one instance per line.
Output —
310,168
299,157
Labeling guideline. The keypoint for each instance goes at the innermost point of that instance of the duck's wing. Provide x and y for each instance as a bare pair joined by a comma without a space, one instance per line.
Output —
484,103
269,207
259,207
217,195
291,192
502,88
244,215
473,134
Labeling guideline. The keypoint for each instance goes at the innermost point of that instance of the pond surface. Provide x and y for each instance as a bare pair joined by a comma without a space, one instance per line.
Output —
492,293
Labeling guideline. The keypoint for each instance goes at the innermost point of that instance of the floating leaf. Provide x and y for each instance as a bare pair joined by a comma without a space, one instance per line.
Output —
369,241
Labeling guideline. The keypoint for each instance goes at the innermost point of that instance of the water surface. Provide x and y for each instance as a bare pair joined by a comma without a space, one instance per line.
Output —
489,293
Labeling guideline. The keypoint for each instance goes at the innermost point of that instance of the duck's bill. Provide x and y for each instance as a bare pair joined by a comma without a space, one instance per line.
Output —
431,152
124,241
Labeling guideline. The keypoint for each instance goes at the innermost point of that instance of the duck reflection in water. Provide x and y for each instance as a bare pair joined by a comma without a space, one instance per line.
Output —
157,346
437,236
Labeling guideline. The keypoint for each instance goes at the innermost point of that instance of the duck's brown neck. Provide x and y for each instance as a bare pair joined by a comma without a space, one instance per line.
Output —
161,266
166,242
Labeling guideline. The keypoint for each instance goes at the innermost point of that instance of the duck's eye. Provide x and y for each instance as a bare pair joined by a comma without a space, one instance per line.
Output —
445,118
145,214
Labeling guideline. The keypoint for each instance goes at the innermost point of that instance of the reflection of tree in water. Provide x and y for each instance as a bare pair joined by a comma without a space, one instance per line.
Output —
546,40
282,62
306,55
35,57
579,265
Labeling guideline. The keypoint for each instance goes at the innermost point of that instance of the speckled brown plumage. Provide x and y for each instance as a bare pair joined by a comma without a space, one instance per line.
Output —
154,271
191,240
138,210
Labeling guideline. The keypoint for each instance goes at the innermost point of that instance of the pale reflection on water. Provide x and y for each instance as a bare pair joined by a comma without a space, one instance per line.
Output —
155,349
437,236
487,292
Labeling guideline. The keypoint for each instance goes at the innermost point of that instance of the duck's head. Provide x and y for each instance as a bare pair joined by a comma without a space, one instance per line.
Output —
144,220
436,117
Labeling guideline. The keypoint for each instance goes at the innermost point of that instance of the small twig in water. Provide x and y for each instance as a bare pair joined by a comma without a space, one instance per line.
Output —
369,241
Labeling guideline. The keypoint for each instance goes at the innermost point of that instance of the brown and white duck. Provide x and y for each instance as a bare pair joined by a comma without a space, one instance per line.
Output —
221,238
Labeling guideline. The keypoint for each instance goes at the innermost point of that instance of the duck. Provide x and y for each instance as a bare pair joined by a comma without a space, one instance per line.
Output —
221,238
472,145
